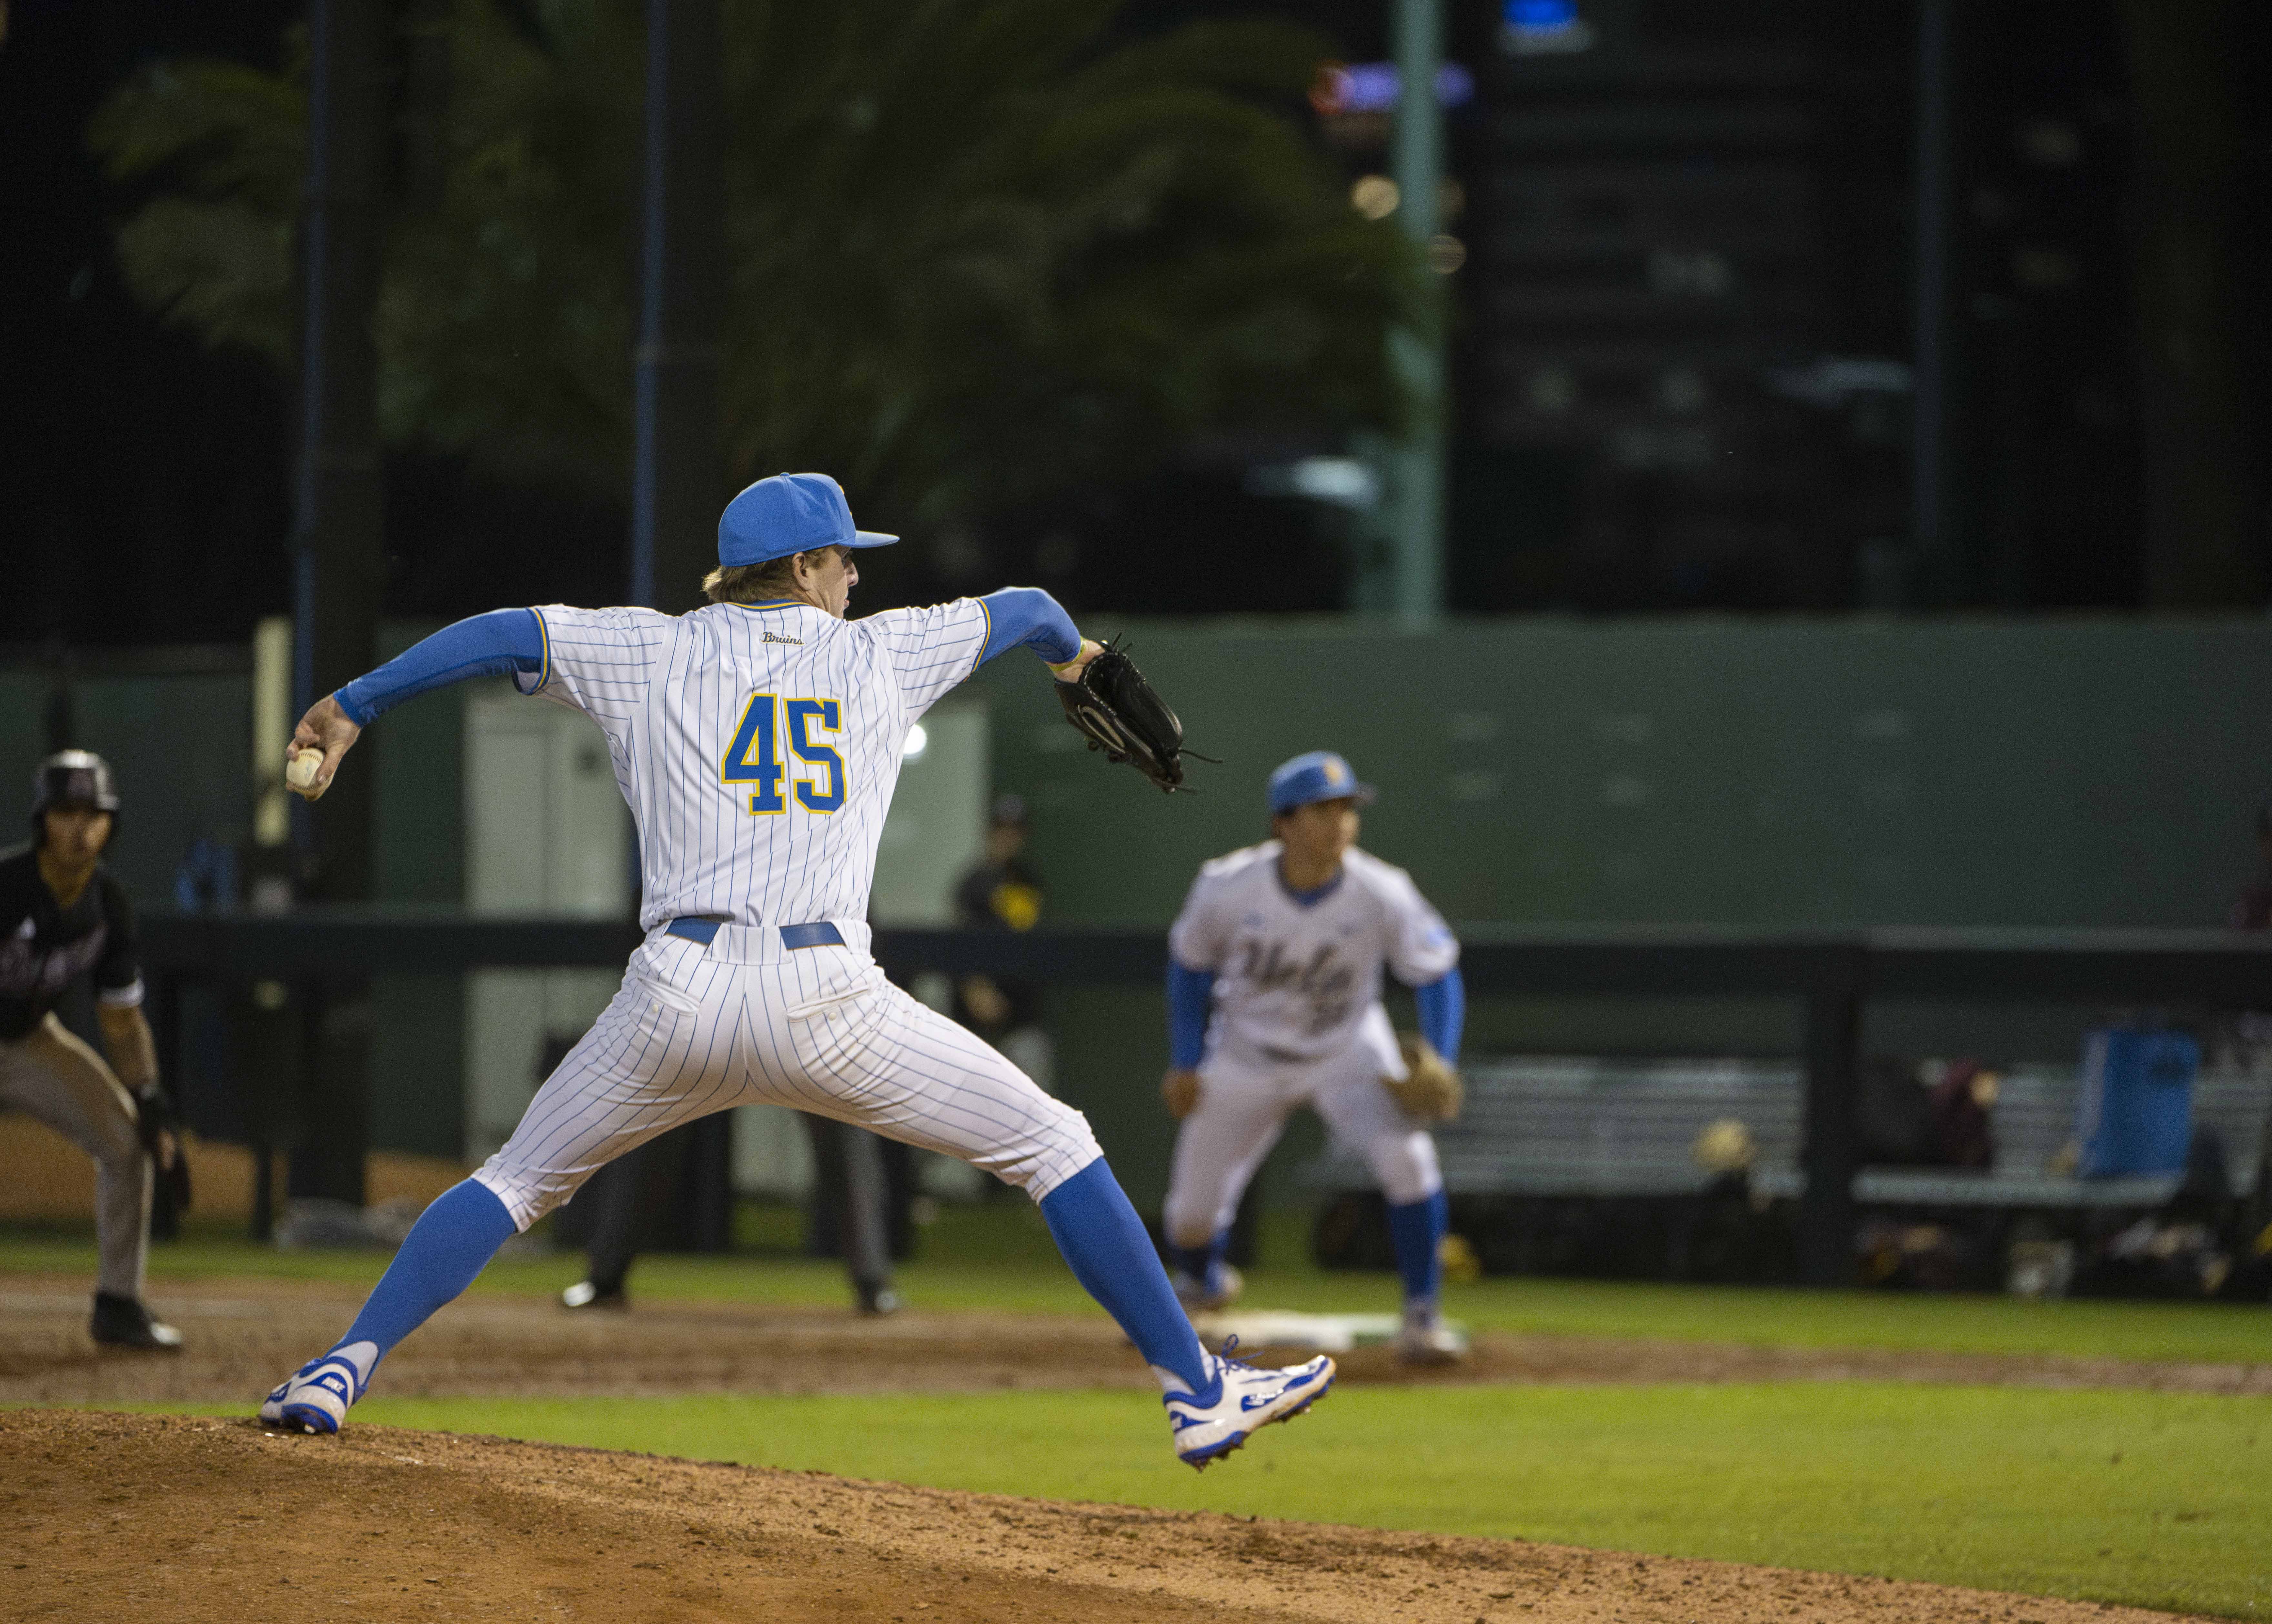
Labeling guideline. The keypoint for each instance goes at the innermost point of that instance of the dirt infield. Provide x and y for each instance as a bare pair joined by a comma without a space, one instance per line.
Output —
244,1334
201,1521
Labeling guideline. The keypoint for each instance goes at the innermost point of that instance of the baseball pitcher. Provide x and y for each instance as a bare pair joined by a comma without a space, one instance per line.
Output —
757,741
1273,1001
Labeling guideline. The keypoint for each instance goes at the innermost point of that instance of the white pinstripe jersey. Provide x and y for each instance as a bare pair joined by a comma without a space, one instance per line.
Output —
757,746
1294,978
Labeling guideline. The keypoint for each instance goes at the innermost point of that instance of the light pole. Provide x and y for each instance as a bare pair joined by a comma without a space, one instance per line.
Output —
1415,465
338,547
678,464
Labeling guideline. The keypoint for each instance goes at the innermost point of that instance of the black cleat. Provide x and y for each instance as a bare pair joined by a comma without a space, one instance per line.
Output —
123,1322
584,1294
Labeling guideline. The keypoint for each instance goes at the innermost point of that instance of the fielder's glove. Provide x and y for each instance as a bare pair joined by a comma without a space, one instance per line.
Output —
1429,1090
153,1116
1120,714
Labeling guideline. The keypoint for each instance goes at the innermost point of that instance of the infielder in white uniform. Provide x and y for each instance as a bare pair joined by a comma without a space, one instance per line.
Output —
758,741
1273,1001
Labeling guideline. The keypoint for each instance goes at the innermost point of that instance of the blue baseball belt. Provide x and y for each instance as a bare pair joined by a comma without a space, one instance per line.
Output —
704,928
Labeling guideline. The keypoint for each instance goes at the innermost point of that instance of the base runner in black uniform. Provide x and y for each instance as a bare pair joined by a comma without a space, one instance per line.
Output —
63,916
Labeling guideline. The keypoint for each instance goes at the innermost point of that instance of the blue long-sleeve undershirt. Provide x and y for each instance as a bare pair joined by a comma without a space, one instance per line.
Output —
1442,1008
1031,617
492,645
1190,996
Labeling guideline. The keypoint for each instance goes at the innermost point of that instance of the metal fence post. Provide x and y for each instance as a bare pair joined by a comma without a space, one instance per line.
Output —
1829,1153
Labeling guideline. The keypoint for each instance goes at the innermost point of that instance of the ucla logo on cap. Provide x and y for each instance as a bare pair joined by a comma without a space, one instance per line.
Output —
1319,776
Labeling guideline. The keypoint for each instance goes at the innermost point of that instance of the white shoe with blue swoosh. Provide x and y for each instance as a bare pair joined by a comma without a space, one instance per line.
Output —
314,1397
1239,1398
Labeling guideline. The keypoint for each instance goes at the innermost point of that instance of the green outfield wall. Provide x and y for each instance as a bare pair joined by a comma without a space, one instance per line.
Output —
1711,771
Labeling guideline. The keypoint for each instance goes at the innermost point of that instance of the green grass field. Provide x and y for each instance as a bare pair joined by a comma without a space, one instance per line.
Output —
1000,1257
2155,1499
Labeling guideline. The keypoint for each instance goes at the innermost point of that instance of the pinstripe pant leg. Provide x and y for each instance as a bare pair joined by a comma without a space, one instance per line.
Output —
877,1056
662,1052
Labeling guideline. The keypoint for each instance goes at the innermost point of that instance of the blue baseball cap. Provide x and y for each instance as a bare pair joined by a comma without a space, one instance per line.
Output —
786,513
1320,776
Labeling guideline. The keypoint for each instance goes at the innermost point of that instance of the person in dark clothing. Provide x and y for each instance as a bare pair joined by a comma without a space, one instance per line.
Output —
1002,893
64,915
847,1168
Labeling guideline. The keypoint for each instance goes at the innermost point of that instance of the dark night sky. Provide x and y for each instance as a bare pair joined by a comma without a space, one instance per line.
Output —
139,459
143,496
139,467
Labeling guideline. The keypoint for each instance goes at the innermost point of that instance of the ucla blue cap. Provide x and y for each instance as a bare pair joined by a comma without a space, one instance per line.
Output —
1320,776
786,513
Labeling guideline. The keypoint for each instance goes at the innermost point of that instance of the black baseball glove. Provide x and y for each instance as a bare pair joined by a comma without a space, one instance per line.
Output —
154,1116
1120,714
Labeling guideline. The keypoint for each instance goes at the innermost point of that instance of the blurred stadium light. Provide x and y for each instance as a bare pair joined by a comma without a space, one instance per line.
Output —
1341,482
1542,27
1379,86
1833,380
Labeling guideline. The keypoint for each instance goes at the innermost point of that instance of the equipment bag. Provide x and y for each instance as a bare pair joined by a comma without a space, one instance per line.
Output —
2136,1113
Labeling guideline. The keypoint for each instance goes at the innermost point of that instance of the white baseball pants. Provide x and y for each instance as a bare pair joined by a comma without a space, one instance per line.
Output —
1244,1102
744,1020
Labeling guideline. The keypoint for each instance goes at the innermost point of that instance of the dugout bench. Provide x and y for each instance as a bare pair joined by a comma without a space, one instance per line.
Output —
1587,1126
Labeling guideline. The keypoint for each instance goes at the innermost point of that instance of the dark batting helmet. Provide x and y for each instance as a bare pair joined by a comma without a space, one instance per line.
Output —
72,778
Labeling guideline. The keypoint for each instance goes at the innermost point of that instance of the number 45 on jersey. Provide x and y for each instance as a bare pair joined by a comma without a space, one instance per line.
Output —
754,757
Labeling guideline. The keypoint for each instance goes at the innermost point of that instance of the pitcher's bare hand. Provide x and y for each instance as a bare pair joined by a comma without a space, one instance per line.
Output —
325,729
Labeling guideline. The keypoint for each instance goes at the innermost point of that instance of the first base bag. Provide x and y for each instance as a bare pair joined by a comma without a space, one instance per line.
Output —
2136,1113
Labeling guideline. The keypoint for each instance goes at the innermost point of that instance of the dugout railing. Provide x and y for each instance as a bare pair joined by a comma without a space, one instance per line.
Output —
1831,974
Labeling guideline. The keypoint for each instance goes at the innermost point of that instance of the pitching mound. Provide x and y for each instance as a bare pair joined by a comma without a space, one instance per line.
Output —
196,1520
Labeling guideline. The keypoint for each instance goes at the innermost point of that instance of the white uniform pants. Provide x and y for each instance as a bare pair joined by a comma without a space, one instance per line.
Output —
744,1020
52,1077
1244,1102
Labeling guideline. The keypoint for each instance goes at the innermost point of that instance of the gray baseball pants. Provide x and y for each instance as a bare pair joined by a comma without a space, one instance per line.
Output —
53,1077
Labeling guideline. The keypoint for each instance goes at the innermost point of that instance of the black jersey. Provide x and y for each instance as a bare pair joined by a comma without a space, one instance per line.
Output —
44,947
1000,896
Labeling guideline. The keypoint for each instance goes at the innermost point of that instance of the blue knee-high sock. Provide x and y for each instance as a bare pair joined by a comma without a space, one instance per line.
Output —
1104,1242
444,1251
1417,1229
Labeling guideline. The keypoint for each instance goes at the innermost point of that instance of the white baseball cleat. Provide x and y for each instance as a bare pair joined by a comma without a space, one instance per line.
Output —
315,1398
1424,1339
1219,1289
1239,1399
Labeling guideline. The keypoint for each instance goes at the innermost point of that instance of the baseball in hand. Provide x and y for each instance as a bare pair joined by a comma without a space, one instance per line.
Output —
300,774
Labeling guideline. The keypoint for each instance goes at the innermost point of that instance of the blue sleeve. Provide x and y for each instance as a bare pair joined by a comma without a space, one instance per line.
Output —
1191,995
491,644
1030,615
1443,1011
